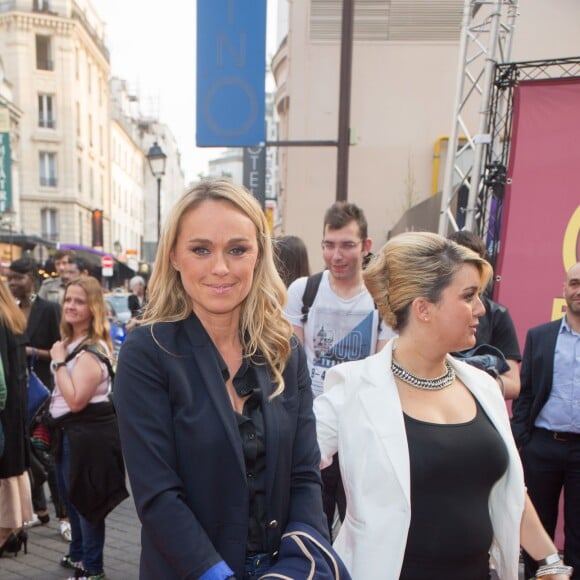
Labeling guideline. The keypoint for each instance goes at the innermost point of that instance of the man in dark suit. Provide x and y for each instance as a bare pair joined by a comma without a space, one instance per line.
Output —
546,421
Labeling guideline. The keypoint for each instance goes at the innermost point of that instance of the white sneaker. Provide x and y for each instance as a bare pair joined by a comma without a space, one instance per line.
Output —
65,531
35,521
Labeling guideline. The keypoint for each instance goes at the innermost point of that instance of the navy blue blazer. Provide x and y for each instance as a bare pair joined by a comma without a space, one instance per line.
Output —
184,455
536,374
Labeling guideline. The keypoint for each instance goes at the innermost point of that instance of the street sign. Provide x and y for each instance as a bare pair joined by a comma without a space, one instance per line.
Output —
107,266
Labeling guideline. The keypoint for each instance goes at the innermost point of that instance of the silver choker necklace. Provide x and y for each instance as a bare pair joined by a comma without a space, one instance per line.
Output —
435,384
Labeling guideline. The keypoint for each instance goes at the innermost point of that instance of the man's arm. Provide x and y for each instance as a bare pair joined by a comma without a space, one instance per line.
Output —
509,381
299,332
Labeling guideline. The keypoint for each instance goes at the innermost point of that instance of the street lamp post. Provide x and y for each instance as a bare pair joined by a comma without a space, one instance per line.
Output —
157,160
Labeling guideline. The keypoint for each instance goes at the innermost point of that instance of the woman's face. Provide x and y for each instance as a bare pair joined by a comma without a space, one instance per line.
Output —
75,308
456,316
216,253
21,285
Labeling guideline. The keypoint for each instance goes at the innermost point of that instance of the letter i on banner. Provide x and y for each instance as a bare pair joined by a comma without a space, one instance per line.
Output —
231,73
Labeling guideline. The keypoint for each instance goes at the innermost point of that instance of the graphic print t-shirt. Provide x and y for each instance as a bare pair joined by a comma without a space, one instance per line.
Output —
337,330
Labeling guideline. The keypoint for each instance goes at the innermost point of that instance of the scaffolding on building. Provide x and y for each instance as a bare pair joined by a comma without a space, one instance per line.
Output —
486,41
507,76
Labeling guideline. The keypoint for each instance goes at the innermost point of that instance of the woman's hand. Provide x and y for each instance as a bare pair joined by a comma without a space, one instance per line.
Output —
58,351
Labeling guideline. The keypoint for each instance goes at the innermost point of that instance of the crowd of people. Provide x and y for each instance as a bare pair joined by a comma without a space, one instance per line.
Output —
276,423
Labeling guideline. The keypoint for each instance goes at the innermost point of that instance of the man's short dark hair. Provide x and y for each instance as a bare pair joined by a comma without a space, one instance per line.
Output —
24,266
341,213
60,254
469,240
80,263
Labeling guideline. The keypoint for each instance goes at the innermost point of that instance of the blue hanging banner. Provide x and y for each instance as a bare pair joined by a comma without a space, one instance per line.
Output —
231,73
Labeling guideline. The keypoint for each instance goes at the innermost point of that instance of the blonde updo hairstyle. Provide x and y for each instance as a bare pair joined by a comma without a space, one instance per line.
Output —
414,265
263,330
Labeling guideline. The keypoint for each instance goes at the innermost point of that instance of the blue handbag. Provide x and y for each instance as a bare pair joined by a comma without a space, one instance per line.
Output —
38,392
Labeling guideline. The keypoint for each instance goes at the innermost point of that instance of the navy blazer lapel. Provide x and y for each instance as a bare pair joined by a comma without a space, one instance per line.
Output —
204,355
270,410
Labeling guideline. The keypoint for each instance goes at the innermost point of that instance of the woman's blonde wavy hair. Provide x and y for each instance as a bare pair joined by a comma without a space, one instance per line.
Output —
263,329
99,328
414,265
10,314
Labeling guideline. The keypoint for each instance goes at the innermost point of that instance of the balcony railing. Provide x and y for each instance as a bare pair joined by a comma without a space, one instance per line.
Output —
48,181
44,64
46,122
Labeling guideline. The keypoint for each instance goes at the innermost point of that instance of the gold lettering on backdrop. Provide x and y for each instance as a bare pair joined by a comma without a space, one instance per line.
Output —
570,248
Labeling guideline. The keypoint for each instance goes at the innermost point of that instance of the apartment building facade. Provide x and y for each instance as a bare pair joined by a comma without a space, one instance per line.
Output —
56,61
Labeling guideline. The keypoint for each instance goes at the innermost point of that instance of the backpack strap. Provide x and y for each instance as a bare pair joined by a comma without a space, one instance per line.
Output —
310,291
94,349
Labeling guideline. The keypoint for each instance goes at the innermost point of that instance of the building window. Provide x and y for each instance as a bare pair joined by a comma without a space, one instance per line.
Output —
80,174
49,222
47,166
43,53
78,119
91,130
46,111
41,5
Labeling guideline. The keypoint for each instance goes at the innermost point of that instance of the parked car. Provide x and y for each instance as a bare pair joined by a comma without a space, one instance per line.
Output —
118,314
118,301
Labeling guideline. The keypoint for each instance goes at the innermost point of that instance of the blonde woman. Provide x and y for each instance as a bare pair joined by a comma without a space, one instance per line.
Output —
214,399
89,465
433,478
15,498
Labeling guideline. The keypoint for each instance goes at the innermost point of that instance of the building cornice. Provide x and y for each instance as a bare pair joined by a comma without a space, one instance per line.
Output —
33,21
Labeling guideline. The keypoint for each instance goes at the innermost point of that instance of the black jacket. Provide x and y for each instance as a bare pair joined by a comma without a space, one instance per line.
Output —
43,330
14,417
97,471
536,376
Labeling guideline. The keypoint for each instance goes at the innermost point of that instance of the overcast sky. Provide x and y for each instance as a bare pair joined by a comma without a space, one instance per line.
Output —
152,47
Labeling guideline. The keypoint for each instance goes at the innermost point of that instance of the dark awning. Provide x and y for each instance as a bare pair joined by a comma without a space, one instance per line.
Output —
25,241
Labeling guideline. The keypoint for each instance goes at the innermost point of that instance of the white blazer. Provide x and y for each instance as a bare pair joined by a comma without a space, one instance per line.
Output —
360,416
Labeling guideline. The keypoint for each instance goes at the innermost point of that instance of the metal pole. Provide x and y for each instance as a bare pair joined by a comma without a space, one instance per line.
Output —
344,102
158,211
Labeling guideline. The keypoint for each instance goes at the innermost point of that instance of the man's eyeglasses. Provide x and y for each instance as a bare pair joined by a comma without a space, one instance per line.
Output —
342,246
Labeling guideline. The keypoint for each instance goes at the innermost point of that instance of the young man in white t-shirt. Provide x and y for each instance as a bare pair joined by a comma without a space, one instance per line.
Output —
342,323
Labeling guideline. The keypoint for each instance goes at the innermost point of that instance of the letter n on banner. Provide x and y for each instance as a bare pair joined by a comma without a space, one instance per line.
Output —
231,72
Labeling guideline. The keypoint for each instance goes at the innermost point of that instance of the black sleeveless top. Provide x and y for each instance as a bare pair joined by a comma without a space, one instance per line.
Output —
453,469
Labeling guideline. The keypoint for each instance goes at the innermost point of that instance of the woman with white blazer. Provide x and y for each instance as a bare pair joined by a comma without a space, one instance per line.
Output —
433,479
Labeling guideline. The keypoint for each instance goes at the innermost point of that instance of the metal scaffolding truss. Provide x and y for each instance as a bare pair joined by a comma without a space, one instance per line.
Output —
494,174
486,39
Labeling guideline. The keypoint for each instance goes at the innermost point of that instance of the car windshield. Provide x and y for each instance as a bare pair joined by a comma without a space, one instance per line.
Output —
120,303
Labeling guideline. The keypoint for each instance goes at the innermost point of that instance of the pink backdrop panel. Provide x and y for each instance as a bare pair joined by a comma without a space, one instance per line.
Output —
541,219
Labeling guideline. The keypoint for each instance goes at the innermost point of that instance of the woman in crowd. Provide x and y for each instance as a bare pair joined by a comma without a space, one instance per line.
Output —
136,301
432,475
15,498
291,258
42,331
214,399
90,469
